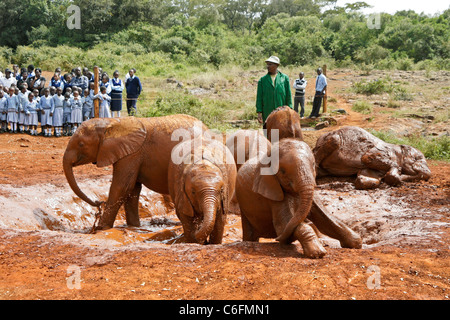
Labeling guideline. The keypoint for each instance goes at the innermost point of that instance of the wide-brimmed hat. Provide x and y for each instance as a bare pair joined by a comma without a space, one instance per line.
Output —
273,59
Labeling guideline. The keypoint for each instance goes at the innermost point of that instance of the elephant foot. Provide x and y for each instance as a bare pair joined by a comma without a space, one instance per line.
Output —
313,249
368,179
352,242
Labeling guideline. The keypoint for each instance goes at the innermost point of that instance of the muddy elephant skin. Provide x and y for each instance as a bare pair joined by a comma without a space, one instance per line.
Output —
277,204
138,149
201,184
286,121
353,151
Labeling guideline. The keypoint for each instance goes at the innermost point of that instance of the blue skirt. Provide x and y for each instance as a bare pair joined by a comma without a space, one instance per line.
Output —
116,101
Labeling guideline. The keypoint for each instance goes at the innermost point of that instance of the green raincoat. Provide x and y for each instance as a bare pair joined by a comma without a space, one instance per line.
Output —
270,96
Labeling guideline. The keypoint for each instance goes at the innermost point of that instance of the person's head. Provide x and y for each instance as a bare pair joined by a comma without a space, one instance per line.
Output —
22,88
1,93
68,77
46,92
272,64
105,78
24,74
11,90
319,71
67,96
16,68
301,75
37,72
75,93
30,96
85,71
69,90
58,70
86,92
52,90
91,85
103,89
56,76
80,91
7,73
131,72
59,91
30,68
36,92
74,88
77,71
116,74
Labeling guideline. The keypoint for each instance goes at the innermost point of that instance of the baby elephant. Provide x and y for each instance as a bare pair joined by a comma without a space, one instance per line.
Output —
202,177
276,200
352,150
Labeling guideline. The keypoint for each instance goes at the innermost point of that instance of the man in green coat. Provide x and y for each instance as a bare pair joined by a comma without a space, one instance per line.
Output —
274,90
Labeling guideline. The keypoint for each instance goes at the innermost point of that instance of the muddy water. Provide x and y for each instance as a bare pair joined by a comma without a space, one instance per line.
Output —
57,208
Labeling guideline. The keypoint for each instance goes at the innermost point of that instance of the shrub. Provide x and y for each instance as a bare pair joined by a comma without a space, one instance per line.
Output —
363,107
377,86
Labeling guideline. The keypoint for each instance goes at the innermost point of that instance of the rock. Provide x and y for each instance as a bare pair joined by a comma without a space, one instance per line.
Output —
341,111
322,125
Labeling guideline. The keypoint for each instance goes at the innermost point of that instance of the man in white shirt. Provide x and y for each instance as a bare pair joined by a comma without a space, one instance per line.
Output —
299,98
8,80
321,85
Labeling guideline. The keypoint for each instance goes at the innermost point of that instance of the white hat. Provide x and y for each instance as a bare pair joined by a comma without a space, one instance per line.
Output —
273,59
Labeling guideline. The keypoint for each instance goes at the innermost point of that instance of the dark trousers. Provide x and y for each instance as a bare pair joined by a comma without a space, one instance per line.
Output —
299,100
317,103
131,106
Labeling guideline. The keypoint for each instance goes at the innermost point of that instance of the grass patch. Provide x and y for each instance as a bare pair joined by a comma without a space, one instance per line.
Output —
362,106
436,148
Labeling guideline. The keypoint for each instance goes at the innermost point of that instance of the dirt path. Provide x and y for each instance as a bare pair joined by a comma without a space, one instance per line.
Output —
405,231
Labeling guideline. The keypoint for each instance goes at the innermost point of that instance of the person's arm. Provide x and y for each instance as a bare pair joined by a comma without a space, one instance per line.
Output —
140,86
259,101
288,93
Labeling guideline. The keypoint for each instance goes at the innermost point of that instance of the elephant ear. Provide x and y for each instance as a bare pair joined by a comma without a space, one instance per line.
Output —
120,138
269,187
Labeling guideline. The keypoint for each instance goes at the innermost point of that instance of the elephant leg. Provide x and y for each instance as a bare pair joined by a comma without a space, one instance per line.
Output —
188,228
368,179
248,232
132,206
332,226
322,151
312,248
123,183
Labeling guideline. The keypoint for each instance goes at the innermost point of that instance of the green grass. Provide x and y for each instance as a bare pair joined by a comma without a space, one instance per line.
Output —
363,107
436,148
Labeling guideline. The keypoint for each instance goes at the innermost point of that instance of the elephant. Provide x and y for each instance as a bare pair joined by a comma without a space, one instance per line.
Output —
354,151
201,184
246,144
286,121
278,201
138,149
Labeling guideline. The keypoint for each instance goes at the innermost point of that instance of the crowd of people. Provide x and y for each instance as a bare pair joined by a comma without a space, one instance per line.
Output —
60,105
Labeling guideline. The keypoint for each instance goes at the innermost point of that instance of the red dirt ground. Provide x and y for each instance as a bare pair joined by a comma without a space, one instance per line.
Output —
37,264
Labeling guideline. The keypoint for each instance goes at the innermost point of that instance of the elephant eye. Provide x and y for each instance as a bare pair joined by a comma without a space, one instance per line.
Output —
81,144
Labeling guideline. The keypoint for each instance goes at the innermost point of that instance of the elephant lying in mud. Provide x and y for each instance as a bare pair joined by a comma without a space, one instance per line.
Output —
138,149
202,179
275,191
352,150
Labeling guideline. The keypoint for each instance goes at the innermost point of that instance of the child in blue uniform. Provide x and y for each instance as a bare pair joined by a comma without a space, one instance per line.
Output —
3,111
32,110
77,111
67,112
13,105
88,104
105,99
46,106
58,112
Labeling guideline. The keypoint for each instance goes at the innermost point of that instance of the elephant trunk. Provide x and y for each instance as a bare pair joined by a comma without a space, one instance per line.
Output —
68,171
209,209
301,210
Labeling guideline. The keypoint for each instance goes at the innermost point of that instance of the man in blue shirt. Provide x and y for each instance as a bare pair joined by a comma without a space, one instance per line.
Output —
134,87
321,85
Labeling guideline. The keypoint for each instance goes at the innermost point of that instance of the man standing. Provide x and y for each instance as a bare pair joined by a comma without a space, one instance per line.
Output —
79,80
300,86
274,90
134,89
321,85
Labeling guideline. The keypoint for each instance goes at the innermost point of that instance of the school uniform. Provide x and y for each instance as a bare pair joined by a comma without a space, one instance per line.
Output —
46,104
3,109
117,87
13,105
80,82
32,109
7,82
77,110
88,106
57,84
67,111
134,89
23,119
104,111
58,110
